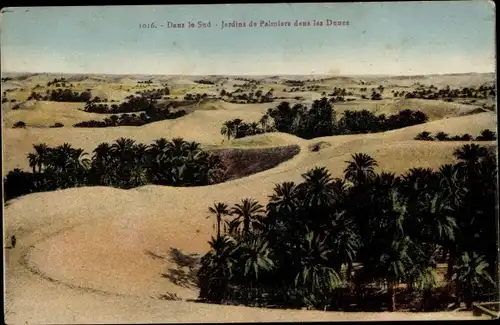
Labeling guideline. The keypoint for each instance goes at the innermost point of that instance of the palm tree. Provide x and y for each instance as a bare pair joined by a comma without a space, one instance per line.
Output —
315,274
469,156
470,273
255,257
227,129
219,210
442,136
487,135
318,187
236,124
114,119
264,120
177,147
360,169
250,212
285,198
254,128
217,268
424,136
40,157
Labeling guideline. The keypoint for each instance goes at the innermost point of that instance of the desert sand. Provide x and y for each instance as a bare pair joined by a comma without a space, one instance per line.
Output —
97,254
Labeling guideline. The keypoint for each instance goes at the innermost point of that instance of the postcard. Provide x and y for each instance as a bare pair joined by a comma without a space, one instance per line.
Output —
249,162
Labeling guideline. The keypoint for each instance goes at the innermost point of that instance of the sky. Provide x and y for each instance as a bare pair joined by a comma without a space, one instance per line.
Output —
381,38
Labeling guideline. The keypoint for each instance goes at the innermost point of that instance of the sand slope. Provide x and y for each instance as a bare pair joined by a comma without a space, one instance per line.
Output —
45,114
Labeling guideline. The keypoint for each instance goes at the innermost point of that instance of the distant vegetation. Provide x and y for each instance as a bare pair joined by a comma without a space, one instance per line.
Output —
61,95
320,120
350,243
146,100
19,124
204,82
196,97
251,97
123,164
133,119
61,82
447,93
486,135
238,129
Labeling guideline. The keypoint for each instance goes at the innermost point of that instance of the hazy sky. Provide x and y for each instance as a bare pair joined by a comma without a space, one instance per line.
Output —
381,38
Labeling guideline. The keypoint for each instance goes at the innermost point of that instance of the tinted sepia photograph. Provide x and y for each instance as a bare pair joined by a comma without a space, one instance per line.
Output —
249,163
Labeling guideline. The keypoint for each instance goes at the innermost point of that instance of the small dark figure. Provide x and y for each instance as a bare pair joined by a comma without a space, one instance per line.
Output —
13,241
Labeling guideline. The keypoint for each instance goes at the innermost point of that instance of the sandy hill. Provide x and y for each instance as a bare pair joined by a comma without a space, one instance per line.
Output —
45,114
204,126
435,109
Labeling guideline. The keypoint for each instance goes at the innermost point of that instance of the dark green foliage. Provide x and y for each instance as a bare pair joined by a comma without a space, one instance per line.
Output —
60,95
19,124
486,135
123,164
448,94
323,242
320,120
133,119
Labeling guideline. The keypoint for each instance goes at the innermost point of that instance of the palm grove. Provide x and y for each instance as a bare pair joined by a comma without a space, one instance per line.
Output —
122,164
320,120
333,242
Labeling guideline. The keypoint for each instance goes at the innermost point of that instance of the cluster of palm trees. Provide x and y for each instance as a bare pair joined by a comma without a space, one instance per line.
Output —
62,95
250,97
486,135
364,121
56,81
122,164
236,128
331,243
320,120
152,115
132,104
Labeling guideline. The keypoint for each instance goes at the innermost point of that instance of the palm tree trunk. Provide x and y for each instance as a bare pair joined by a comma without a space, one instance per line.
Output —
218,226
468,297
246,226
426,300
451,264
391,292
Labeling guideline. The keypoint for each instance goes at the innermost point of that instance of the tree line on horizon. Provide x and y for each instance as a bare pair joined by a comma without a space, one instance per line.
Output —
447,93
367,241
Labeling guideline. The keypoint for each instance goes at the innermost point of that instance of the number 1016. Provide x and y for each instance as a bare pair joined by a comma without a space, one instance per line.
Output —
151,25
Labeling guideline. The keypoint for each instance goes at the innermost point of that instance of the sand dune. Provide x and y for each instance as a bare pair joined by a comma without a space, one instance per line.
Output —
434,109
45,114
471,124
204,127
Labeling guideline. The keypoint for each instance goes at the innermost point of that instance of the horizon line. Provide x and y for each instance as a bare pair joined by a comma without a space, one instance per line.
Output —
251,74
